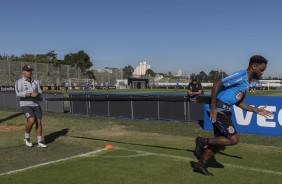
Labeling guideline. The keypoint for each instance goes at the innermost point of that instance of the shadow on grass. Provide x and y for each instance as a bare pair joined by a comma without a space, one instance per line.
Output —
225,154
136,144
53,136
10,117
211,163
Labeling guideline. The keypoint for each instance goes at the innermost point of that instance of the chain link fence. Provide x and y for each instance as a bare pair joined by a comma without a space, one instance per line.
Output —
50,74
109,76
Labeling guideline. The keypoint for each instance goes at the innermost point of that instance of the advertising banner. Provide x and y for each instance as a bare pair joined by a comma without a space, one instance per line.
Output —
250,122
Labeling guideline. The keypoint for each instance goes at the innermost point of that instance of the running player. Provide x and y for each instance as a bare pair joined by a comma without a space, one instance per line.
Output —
225,93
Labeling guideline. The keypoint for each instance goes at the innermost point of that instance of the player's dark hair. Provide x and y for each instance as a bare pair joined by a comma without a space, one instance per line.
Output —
257,59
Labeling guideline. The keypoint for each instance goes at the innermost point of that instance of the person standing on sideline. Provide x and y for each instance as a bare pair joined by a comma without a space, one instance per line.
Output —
29,92
229,91
194,89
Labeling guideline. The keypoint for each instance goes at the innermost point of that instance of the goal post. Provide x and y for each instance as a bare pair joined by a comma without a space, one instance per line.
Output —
75,82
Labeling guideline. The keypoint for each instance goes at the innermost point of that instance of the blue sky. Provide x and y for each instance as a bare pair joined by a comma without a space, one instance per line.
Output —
192,35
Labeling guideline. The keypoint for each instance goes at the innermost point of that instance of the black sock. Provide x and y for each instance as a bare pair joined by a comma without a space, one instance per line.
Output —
204,141
202,162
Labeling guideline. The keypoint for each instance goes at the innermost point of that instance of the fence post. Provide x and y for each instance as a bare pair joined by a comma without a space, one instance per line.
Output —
188,110
132,110
159,109
46,101
185,114
89,105
108,107
87,110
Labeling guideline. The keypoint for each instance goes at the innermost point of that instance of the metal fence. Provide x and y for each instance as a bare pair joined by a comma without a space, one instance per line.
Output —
154,110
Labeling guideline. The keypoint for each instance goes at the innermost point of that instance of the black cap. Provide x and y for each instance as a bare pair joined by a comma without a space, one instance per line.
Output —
27,68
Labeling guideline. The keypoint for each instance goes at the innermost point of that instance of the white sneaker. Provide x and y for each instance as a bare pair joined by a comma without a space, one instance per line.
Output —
41,145
27,142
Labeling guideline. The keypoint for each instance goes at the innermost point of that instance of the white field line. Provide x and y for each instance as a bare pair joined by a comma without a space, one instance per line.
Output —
55,161
145,153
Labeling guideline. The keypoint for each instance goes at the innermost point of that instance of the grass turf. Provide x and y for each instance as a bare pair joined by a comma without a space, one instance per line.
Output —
171,143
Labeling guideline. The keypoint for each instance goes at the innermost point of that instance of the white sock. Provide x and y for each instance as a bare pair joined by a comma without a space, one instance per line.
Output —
26,135
39,138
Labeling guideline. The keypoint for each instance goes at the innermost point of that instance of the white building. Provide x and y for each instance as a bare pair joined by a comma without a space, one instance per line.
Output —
158,77
179,72
141,69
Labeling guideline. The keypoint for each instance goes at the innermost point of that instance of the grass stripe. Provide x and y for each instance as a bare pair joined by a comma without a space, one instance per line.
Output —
145,153
55,161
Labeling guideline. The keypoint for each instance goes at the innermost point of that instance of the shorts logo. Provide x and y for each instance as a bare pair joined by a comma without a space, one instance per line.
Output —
231,130
27,114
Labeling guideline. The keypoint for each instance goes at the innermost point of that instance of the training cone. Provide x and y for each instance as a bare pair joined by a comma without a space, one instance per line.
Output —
109,146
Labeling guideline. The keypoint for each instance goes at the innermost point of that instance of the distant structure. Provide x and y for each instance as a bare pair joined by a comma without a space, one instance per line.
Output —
179,72
141,69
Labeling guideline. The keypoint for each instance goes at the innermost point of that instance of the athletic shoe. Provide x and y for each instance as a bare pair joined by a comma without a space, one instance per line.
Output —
27,142
202,169
199,149
41,145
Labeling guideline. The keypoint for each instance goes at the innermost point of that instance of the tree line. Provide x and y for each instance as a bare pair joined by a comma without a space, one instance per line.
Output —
212,76
82,61
79,59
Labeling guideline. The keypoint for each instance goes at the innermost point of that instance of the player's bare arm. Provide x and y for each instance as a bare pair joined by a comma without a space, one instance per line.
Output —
35,94
261,110
215,89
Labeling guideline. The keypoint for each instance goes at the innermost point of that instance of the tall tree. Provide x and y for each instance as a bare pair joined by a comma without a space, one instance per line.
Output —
150,72
80,60
127,71
215,75
193,76
202,76
7,57
49,57
28,58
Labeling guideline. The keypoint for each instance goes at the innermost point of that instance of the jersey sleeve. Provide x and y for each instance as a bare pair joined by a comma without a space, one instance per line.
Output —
19,89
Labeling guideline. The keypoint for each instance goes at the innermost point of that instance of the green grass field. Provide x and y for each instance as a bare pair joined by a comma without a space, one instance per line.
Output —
144,152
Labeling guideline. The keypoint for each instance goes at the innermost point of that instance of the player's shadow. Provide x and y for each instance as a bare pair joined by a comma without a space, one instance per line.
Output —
53,136
222,153
211,163
10,117
136,144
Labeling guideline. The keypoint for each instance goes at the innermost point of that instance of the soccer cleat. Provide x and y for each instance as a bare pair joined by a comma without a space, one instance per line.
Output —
202,169
199,149
27,142
41,145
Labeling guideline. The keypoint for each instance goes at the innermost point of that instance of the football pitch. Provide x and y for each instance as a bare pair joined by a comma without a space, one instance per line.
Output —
143,152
